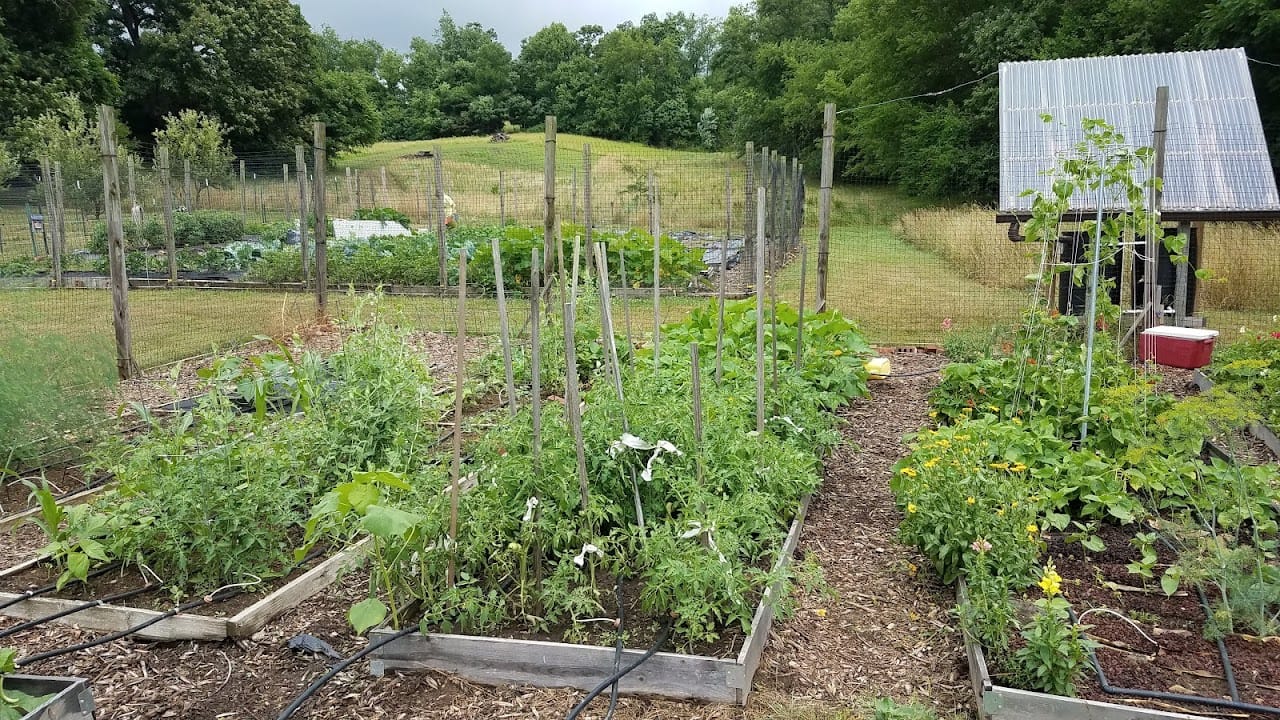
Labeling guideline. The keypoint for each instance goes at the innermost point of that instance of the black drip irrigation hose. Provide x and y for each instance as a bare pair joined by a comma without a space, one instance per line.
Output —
36,622
190,605
617,651
28,594
595,692
1110,689
1228,673
333,671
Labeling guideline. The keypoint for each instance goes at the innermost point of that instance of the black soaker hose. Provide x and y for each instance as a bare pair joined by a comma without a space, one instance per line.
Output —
595,692
28,594
206,600
617,652
35,622
1228,673
1110,689
320,681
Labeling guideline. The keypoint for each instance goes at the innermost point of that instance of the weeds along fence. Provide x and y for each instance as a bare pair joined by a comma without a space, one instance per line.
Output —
236,256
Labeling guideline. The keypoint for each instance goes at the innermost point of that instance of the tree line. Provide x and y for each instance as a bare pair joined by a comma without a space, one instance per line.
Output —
257,74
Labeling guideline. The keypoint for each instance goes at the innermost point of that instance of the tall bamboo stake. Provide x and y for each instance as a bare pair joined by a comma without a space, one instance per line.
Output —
504,327
456,467
655,227
760,311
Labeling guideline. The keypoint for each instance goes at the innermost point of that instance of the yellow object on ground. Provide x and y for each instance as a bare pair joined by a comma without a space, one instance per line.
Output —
878,368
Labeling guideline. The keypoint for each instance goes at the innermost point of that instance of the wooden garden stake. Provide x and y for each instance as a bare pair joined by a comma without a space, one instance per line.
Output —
760,311
586,204
443,270
572,408
573,197
626,307
456,468
359,193
535,360
133,194
577,256
244,200
655,227
696,365
322,256
502,199
51,221
351,190
188,187
804,270
612,361
504,328
300,159
125,364
166,195
724,269
749,205
775,247
385,194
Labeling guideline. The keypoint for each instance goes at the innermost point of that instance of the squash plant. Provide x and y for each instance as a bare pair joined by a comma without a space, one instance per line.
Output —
15,704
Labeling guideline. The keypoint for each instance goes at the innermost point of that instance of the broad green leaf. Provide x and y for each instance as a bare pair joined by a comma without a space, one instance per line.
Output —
366,614
1093,543
387,522
78,565
1169,582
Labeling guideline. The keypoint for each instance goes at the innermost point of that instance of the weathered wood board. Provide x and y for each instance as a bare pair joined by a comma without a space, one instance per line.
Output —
503,661
187,626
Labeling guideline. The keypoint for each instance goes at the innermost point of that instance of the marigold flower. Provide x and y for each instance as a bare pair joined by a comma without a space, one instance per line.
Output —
930,462
909,472
1000,512
1032,529
993,408
971,500
999,466
1018,467
933,413
1017,421
911,508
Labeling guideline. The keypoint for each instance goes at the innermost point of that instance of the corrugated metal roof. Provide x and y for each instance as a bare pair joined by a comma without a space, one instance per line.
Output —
1216,154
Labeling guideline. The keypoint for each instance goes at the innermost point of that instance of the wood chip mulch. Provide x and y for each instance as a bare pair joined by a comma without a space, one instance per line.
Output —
876,630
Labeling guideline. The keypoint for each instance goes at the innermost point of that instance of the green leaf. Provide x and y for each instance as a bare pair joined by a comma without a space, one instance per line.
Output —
387,522
8,660
366,614
360,496
78,565
1093,543
1169,581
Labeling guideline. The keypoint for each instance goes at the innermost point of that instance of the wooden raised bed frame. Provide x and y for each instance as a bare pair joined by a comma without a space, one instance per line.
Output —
996,702
503,661
72,697
188,626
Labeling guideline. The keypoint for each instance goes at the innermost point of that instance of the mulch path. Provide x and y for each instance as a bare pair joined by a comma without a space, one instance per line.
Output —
876,629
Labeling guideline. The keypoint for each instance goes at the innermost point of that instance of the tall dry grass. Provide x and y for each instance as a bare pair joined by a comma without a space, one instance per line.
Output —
971,240
1243,260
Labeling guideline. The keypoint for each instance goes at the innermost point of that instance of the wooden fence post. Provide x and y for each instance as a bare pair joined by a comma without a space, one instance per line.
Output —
126,366
749,205
51,216
300,163
135,211
322,259
655,227
188,187
502,199
60,220
549,253
166,197
244,194
824,201
441,240
760,212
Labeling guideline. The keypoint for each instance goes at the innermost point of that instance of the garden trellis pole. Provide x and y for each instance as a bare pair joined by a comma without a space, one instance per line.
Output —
358,194
244,194
188,186
724,269
322,259
455,471
504,327
749,206
385,193
695,366
573,410
441,240
586,204
824,201
655,228
535,360
288,205
126,366
613,364
502,199
300,160
135,211
166,196
626,307
760,210
804,271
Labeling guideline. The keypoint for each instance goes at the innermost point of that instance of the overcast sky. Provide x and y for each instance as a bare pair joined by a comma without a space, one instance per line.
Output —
394,22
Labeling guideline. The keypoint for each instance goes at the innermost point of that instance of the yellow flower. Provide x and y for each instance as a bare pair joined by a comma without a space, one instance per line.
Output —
911,507
1050,581
1013,504
1032,529
820,612
1019,467
962,438
999,466
930,462
944,443
971,500
1034,498
1017,421
912,569
993,408
966,409
909,472
933,414
1000,512
837,352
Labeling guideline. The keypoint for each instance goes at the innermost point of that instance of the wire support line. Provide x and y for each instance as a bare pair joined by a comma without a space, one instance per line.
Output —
936,93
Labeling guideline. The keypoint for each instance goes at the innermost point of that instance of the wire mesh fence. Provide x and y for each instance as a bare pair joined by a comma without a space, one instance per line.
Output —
906,270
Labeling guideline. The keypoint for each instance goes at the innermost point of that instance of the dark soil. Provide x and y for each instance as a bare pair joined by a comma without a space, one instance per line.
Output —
1184,661
126,579
15,496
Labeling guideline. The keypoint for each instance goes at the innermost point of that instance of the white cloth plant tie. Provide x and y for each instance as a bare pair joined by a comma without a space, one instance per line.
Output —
696,530
587,549
631,442
529,506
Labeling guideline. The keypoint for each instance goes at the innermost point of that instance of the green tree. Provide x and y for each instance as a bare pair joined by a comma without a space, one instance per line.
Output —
8,165
65,134
248,63
196,137
44,55
342,101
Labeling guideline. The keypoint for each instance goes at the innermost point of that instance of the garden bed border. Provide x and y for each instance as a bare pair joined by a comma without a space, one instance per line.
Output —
72,696
504,661
997,702
187,626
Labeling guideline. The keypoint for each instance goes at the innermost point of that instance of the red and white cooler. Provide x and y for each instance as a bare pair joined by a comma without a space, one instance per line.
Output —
1177,346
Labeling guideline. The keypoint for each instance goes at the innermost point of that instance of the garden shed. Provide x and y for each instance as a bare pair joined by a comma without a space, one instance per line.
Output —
1216,167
